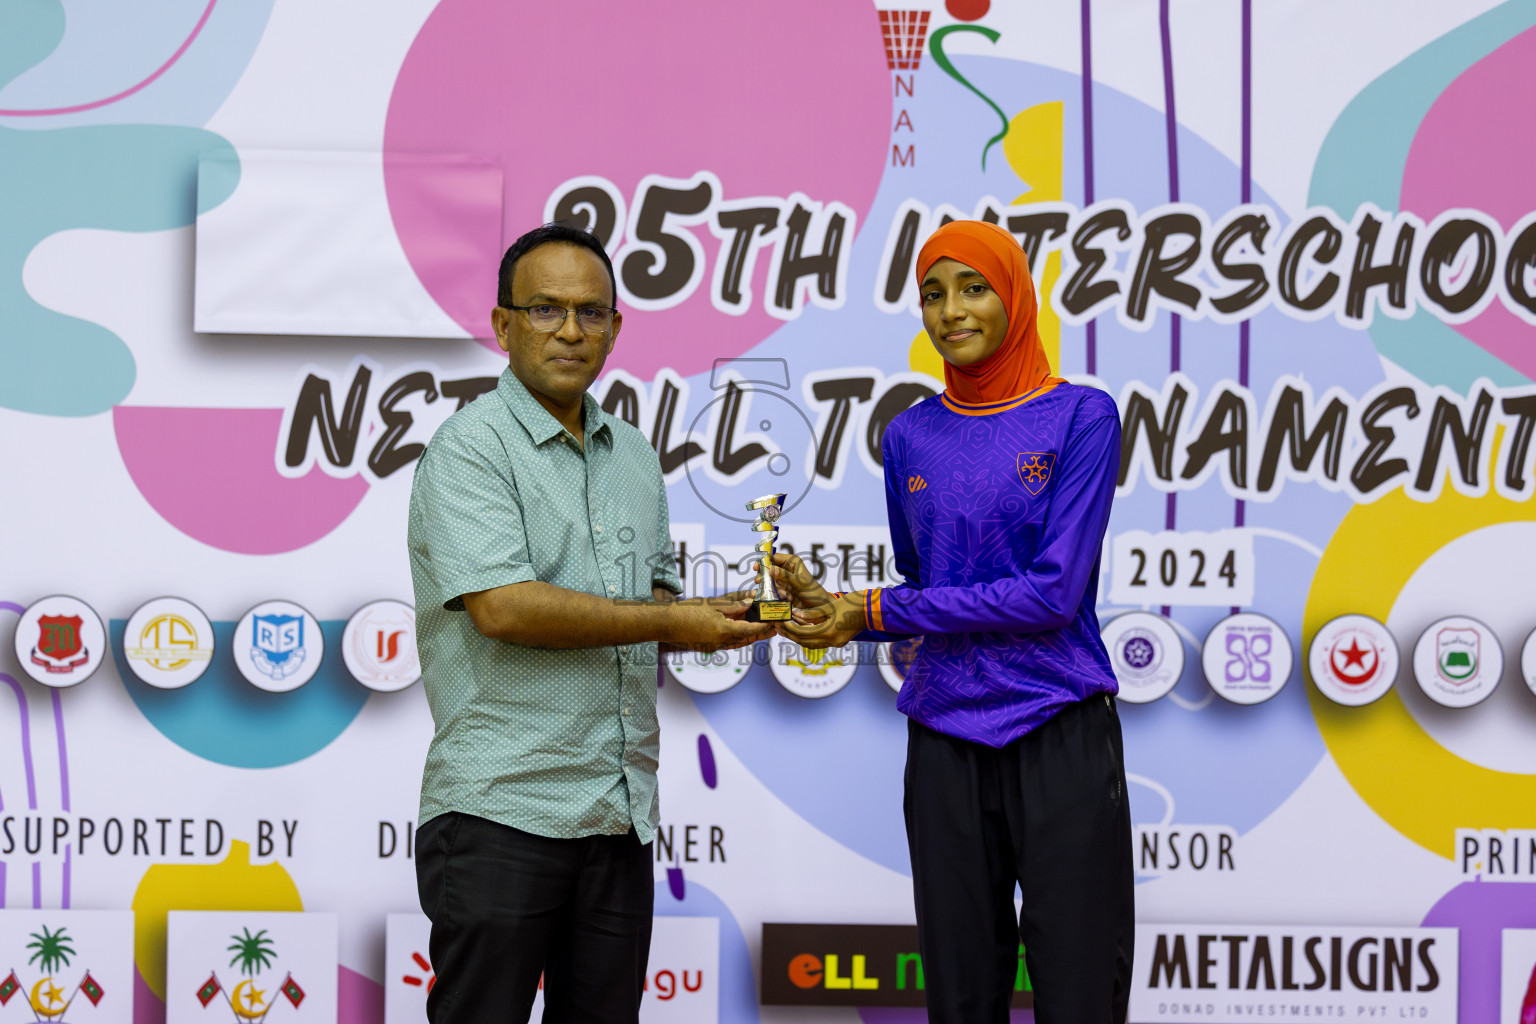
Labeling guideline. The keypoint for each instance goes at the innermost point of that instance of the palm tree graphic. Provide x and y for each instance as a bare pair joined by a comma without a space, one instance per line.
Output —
53,950
252,952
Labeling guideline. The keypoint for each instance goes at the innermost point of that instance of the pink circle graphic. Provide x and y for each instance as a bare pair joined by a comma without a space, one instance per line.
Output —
210,473
1470,152
772,98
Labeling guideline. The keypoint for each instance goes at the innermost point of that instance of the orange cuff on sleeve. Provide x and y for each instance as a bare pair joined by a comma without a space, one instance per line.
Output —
872,617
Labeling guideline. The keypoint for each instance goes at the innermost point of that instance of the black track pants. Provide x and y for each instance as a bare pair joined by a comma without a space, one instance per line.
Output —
1049,812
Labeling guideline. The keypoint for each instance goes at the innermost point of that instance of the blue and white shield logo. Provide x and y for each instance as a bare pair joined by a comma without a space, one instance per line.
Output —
277,644
283,646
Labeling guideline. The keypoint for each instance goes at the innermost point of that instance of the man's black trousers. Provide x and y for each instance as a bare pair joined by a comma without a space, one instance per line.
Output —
1048,811
507,905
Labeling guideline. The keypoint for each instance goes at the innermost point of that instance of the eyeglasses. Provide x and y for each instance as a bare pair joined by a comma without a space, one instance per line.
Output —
549,319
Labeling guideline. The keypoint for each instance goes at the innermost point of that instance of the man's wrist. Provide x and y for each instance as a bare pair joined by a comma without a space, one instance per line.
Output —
669,621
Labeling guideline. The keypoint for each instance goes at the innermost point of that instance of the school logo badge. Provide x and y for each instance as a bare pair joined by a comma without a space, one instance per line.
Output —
1035,470
69,965
168,642
896,660
258,961
1353,660
1147,655
60,641
1528,661
1247,658
278,646
1456,654
710,672
1457,662
813,673
379,646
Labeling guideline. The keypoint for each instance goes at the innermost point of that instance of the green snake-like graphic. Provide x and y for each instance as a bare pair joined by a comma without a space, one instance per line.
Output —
936,44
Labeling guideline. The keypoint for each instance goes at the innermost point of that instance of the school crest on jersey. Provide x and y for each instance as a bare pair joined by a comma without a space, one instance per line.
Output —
1035,470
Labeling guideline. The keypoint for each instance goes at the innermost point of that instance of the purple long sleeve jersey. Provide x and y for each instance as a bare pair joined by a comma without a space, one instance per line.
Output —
997,517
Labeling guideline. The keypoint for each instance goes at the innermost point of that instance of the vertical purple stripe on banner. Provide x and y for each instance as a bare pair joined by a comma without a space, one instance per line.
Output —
1170,119
2,885
1240,510
1247,180
1171,123
26,738
37,885
58,725
1247,101
1091,356
68,850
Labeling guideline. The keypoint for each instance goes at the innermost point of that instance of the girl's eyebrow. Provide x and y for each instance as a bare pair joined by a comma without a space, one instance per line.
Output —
962,273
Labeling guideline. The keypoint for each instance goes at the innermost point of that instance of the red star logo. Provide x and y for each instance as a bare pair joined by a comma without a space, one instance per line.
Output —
1354,665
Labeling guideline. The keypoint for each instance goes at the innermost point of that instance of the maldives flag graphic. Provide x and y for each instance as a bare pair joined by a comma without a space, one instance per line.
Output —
210,989
293,992
8,988
93,991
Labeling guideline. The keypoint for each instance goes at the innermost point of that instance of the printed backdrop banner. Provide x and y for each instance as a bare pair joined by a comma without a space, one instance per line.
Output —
246,269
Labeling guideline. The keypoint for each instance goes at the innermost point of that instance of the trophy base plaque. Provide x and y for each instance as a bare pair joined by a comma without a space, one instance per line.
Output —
768,611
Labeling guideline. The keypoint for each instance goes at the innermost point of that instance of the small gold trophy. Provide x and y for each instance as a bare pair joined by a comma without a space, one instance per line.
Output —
768,605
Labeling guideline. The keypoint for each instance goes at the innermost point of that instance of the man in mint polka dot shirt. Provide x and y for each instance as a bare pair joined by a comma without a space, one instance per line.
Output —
542,564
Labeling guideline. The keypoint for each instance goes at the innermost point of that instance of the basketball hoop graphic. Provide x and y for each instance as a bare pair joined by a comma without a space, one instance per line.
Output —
905,33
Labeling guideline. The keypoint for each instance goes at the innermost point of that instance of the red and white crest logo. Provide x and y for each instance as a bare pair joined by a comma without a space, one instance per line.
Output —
58,640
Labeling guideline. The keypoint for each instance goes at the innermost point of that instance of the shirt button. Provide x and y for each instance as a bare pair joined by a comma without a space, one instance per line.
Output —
612,589
598,529
626,711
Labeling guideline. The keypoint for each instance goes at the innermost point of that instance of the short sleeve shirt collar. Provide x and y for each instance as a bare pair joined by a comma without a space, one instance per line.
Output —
537,420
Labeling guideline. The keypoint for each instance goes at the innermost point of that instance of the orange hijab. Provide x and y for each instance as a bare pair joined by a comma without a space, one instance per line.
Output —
1019,365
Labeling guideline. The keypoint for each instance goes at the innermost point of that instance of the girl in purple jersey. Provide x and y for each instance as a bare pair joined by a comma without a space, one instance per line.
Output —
998,493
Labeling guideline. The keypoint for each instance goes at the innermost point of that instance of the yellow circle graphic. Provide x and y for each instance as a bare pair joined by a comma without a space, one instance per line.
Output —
1420,788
